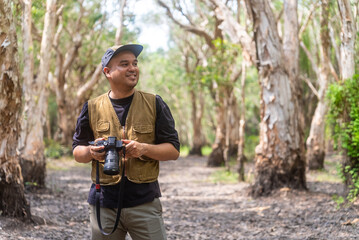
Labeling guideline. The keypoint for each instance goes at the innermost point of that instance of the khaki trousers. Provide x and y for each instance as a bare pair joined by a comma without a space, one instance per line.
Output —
141,222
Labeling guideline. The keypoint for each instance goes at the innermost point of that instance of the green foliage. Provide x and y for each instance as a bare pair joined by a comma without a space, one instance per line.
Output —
206,150
344,116
38,10
52,111
55,150
220,64
339,200
184,151
162,74
250,144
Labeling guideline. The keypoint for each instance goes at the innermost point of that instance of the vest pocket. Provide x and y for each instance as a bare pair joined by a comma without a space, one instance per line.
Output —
143,132
103,127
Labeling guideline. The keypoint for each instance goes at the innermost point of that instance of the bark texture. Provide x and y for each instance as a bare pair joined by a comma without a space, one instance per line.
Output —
348,35
12,199
279,155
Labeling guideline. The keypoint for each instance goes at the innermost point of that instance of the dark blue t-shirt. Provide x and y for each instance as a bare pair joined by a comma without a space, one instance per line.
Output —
134,194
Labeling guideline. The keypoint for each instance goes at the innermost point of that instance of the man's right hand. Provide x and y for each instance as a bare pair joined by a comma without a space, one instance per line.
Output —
97,152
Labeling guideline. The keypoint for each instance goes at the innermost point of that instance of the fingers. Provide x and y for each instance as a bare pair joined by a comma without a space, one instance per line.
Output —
126,141
97,152
133,148
99,139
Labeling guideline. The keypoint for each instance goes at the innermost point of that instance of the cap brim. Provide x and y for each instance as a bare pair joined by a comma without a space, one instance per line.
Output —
136,49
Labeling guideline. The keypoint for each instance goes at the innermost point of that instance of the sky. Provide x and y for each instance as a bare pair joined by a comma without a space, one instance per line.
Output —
155,35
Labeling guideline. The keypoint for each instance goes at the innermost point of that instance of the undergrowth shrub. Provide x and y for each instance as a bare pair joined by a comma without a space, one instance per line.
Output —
55,150
343,115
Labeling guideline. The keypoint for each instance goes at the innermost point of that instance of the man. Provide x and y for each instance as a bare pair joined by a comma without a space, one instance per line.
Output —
144,123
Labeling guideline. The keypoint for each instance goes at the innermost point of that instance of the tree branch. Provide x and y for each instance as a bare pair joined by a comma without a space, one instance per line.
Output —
307,20
189,28
119,31
236,32
311,58
307,80
89,85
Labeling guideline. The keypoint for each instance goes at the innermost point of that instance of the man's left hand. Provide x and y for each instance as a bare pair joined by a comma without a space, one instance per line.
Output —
134,149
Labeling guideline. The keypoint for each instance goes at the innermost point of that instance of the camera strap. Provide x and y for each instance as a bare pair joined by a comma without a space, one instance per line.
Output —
120,197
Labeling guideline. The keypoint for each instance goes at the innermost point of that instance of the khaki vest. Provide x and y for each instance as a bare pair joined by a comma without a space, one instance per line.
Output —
140,126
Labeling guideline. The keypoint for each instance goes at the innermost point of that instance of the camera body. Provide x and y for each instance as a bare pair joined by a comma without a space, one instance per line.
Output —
112,146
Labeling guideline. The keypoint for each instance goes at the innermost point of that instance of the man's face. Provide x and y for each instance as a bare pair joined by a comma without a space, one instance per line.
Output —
122,71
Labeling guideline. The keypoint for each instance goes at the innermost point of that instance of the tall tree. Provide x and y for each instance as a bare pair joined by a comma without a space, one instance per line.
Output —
316,139
200,23
67,52
238,34
12,198
193,58
78,69
33,163
279,156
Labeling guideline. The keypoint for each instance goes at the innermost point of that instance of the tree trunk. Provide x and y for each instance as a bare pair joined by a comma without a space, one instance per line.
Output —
316,139
279,156
66,102
119,31
241,158
197,115
216,158
33,161
12,198
229,114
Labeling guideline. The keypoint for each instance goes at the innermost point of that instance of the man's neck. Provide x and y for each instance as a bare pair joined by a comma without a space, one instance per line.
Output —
117,94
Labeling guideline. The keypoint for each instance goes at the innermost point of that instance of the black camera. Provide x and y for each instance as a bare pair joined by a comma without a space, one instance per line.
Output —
112,146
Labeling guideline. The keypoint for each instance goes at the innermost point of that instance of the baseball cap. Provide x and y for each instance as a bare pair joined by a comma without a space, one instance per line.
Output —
136,49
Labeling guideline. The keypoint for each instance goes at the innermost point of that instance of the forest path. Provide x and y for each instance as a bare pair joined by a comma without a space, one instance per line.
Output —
194,207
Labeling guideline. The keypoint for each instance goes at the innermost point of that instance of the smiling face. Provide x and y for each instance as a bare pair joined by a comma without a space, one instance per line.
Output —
123,72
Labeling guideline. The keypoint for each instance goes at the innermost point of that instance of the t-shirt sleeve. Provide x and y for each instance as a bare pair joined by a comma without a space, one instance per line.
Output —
83,132
165,125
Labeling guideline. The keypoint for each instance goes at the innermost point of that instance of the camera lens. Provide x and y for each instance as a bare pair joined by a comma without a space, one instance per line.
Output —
111,166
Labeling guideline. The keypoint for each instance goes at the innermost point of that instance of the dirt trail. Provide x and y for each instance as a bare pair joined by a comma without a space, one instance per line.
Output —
194,208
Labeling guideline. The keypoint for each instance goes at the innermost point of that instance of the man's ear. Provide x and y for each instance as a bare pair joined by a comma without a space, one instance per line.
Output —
106,71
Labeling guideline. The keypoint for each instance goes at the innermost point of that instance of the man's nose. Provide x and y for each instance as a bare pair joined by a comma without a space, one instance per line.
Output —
132,67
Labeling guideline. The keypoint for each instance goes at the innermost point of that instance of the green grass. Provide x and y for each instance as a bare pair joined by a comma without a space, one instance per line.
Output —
329,174
184,151
223,176
63,164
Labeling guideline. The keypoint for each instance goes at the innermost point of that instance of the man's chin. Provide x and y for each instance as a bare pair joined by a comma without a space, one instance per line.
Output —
133,83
